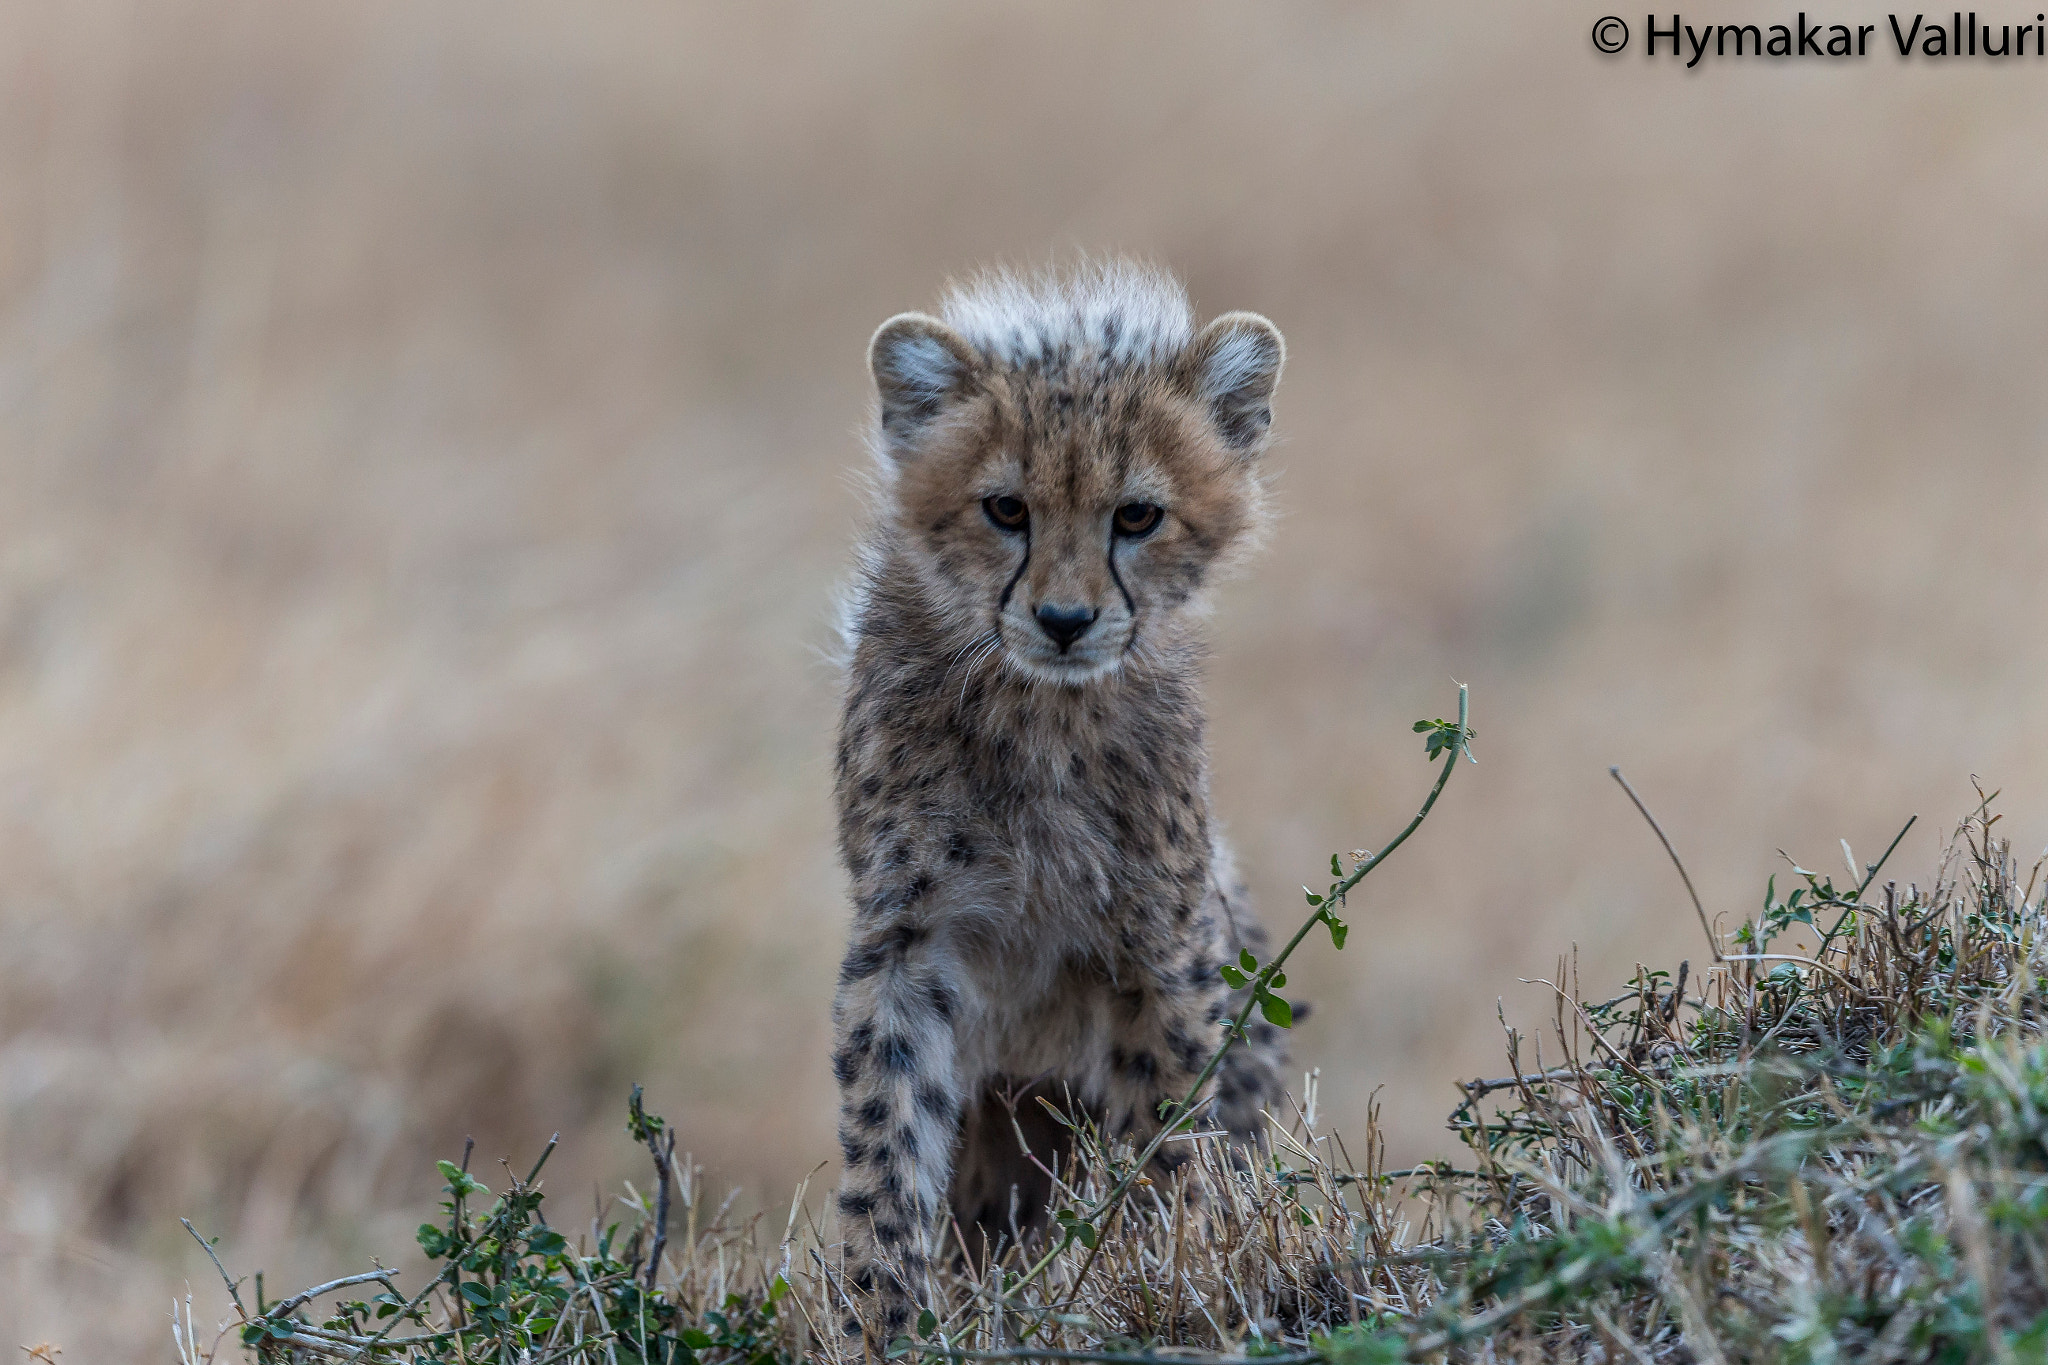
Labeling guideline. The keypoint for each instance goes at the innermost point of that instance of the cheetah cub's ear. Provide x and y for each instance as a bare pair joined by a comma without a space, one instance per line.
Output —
1236,365
920,366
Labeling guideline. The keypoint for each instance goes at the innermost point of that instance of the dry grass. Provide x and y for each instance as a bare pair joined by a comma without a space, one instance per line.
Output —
1786,1157
425,435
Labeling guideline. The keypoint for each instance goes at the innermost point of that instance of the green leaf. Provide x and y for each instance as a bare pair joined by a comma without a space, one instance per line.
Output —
1246,960
279,1328
1336,868
476,1293
777,1287
1279,980
460,1185
1313,898
927,1323
1277,1011
1338,930
696,1338
1439,735
1232,975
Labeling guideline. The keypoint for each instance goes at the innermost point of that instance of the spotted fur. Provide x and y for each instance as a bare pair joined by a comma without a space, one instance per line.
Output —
1040,895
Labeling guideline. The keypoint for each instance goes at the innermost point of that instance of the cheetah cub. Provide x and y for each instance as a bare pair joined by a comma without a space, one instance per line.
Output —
1040,897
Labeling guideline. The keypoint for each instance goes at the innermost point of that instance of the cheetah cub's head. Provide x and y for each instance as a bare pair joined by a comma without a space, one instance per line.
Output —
1069,461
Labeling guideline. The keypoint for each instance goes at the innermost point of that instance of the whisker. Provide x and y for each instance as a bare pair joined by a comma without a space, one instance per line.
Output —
983,646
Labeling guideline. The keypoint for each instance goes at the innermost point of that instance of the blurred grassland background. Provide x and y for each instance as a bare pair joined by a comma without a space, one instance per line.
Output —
429,440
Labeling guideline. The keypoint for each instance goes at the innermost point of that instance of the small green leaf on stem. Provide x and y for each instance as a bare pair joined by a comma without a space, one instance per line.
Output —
1077,1229
1439,735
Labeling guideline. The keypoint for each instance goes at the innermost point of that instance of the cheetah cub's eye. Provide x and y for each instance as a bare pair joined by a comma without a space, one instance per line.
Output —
1136,519
1007,512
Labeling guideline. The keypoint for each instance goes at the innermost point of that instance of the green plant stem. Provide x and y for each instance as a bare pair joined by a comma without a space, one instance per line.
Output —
1184,1111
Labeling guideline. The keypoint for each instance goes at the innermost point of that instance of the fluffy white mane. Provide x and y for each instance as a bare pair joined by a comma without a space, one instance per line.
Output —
1119,311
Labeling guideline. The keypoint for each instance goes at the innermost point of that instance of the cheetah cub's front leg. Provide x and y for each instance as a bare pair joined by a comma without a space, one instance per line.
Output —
899,1113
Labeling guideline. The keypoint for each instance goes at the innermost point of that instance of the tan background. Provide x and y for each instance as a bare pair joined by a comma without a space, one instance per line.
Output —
426,450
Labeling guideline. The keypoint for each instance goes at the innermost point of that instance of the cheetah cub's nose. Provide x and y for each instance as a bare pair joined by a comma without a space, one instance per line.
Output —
1065,624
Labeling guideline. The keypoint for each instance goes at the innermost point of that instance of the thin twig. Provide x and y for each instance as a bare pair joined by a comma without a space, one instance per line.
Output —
1713,944
1868,877
1878,866
205,1246
284,1306
1272,969
1186,1109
